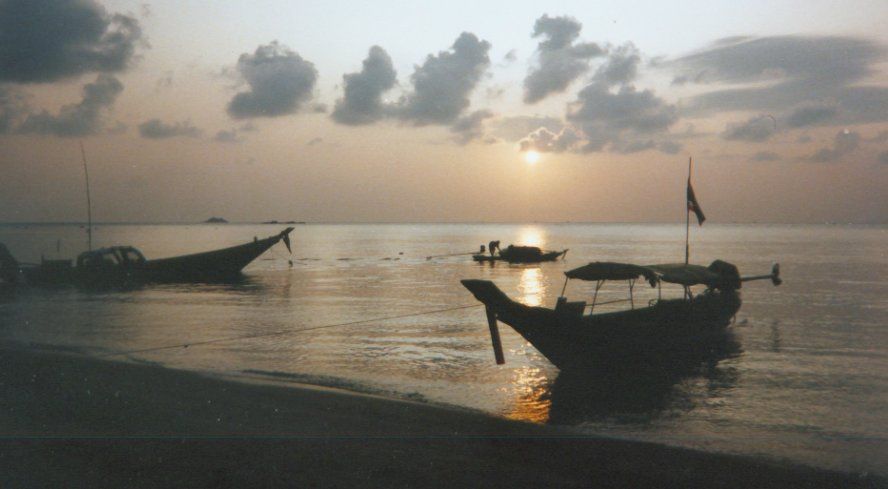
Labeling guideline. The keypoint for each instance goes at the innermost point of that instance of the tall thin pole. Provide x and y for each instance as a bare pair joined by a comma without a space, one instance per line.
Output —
688,218
89,218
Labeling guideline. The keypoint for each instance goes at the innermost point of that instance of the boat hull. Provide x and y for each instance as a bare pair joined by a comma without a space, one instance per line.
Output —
650,334
547,256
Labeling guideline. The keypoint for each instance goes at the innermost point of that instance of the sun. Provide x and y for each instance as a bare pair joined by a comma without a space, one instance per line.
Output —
531,157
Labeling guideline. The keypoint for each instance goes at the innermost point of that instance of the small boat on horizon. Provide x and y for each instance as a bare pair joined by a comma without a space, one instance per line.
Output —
125,265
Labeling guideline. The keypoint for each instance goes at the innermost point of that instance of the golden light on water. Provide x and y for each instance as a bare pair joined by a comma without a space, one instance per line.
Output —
531,236
531,157
531,286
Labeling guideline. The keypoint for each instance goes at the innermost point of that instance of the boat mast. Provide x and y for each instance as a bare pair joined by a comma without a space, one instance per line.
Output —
88,202
688,219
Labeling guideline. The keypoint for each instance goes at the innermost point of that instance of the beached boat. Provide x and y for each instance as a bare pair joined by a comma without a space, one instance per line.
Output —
520,254
125,265
569,338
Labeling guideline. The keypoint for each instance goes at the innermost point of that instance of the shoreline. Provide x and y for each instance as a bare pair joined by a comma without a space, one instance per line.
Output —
70,420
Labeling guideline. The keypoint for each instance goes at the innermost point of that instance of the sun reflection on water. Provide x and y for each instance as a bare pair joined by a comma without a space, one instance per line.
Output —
530,386
531,236
532,288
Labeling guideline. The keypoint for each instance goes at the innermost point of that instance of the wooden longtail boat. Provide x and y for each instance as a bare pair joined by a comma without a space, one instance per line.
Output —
125,265
569,338
520,254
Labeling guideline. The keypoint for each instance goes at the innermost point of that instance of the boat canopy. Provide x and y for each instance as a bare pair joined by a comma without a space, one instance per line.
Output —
717,275
605,270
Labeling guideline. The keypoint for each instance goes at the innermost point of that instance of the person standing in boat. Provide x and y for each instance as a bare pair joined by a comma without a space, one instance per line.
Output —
493,246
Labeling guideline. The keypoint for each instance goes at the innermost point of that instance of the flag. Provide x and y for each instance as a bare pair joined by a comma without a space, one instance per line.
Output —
693,205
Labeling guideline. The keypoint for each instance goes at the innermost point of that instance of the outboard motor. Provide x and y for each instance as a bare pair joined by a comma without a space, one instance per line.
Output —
729,276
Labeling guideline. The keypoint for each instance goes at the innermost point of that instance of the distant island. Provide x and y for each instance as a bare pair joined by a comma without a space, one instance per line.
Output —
216,220
284,222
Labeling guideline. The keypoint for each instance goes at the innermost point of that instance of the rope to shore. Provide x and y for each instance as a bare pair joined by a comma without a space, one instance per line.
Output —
283,332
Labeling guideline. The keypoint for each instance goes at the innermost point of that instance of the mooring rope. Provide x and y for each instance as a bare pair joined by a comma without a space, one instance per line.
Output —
282,332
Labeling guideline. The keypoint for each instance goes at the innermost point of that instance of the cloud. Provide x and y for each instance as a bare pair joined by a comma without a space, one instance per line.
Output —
765,156
13,106
511,56
47,40
362,103
546,141
560,59
845,142
811,114
626,119
470,127
79,119
620,67
781,73
315,141
883,157
227,136
443,84
756,129
518,127
157,129
280,82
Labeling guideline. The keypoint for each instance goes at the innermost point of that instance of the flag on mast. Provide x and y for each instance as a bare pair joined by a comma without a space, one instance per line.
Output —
693,205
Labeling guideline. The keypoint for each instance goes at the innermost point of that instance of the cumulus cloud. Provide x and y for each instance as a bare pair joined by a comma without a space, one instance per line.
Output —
620,67
79,119
517,128
443,84
620,119
844,143
47,40
362,103
756,129
784,72
157,129
470,127
545,141
561,59
280,82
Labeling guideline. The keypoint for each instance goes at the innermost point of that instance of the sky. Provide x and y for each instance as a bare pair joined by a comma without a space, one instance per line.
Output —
395,111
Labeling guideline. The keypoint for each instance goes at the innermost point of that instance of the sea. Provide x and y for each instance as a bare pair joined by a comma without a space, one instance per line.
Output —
379,308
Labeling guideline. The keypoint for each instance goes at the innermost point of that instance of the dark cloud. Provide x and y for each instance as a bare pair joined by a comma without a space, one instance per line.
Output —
227,136
511,56
47,40
765,156
845,142
443,84
280,82
620,119
756,129
362,103
470,127
669,147
80,119
811,114
561,60
157,129
883,157
620,67
784,72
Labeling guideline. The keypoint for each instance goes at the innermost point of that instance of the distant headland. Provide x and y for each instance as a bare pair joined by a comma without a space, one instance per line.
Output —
216,220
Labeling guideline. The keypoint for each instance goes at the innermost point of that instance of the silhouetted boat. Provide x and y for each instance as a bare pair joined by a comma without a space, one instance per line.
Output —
569,338
125,265
520,254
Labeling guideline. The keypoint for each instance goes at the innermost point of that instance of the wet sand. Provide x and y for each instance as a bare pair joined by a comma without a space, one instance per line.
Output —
72,421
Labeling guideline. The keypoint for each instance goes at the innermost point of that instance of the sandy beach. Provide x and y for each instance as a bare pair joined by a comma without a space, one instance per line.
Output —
72,421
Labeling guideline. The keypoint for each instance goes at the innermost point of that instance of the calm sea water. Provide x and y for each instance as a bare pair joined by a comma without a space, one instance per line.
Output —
803,378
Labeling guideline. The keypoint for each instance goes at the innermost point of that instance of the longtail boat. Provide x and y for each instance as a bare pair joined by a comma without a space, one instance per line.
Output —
521,254
125,265
569,338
